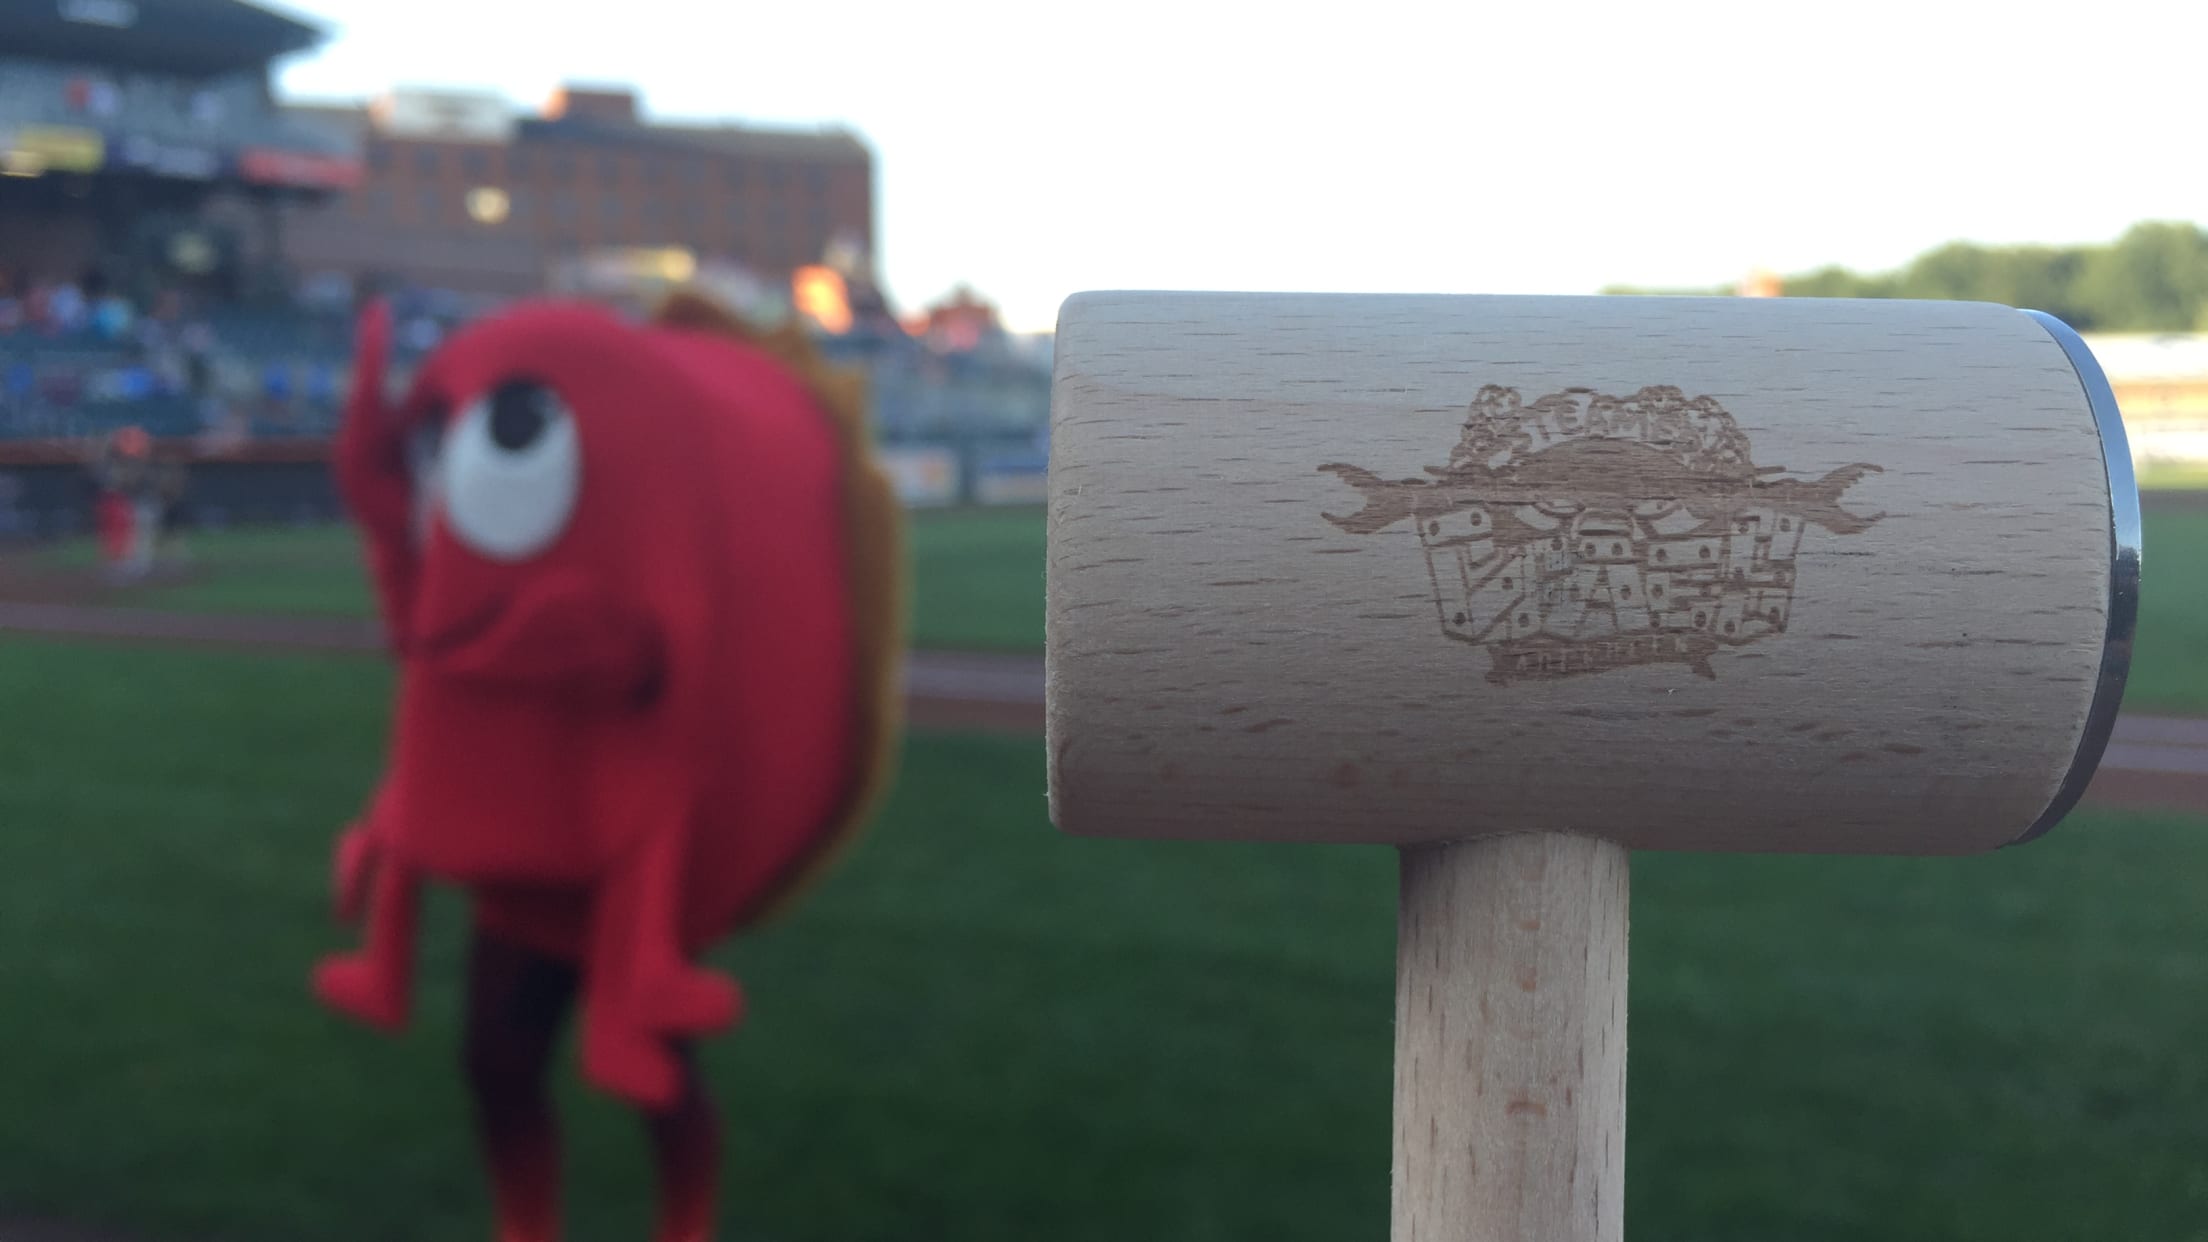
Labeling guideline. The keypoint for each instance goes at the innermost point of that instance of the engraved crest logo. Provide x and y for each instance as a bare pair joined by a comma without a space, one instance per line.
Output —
1581,532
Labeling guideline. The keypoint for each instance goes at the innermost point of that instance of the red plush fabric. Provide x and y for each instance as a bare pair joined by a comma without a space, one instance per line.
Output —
622,742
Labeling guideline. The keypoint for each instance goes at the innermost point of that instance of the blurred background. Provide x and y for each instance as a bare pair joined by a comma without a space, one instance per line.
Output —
977,1029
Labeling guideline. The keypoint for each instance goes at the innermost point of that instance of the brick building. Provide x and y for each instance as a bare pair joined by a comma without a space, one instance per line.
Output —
463,193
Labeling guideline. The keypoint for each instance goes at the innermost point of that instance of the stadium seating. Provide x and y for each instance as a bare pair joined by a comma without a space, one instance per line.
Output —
282,374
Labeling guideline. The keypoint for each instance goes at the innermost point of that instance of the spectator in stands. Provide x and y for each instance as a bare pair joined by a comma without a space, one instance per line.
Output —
115,317
197,337
38,301
276,388
151,333
157,346
422,334
66,309
109,312
321,388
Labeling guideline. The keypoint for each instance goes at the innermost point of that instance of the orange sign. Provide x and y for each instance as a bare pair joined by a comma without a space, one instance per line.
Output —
820,294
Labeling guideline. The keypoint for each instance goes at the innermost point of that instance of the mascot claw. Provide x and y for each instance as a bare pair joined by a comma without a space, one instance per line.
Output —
690,1002
351,984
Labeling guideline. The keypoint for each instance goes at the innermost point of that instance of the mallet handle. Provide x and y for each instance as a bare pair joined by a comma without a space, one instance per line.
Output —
1510,1041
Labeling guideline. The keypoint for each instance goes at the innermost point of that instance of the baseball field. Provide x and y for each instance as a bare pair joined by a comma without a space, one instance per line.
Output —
978,1029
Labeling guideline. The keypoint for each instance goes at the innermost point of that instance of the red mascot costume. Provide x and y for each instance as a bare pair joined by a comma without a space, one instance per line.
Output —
644,585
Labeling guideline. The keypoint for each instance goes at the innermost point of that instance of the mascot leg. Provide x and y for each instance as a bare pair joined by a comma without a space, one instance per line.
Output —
643,992
518,1000
686,1153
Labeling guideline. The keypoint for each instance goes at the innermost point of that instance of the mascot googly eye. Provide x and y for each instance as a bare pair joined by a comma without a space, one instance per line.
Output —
509,471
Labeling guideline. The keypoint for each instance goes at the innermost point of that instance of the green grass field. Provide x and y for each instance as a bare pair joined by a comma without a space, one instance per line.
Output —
978,576
2174,477
980,1030
2169,670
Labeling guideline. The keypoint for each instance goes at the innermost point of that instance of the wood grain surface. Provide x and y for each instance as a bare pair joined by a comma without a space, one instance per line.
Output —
1686,573
1510,1039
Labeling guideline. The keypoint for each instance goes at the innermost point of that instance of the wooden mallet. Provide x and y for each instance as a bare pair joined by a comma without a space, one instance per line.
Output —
1520,584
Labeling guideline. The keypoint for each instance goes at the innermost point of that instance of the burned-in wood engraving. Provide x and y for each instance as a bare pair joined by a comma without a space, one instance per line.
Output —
1583,532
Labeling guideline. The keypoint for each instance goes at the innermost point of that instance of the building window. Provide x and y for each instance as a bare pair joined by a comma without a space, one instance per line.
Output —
477,163
777,176
608,168
427,203
735,176
488,204
609,208
379,157
425,161
817,178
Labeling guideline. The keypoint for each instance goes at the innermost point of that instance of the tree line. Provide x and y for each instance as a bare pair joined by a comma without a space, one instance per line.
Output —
2152,279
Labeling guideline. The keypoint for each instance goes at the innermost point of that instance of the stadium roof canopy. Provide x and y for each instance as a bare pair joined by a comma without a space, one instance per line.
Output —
175,36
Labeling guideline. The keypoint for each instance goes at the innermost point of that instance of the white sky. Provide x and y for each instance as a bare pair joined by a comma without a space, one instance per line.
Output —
1035,149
